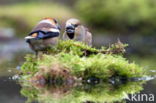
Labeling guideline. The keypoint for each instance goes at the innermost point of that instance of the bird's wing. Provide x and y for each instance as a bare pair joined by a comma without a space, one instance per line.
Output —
43,27
88,38
80,33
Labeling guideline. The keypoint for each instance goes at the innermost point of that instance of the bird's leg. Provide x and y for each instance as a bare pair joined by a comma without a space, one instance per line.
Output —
40,54
36,54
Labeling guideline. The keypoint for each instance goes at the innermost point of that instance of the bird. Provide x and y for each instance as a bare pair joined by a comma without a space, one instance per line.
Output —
74,30
44,35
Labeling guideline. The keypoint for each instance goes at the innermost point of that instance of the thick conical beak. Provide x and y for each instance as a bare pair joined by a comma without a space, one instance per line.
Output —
70,29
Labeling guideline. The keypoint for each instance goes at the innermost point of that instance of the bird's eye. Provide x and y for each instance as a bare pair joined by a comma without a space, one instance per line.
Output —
55,21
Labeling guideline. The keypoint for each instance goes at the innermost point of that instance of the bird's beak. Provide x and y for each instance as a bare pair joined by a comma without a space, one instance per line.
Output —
70,29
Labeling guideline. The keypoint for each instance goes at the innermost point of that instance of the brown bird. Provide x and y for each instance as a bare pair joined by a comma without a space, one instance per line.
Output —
75,31
44,35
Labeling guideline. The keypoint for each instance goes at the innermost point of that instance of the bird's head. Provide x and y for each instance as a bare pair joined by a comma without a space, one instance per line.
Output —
70,26
52,21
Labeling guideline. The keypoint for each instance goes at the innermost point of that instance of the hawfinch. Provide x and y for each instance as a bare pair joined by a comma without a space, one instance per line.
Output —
44,35
75,31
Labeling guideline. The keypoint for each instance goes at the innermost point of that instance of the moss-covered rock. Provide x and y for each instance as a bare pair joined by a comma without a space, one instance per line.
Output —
76,60
73,72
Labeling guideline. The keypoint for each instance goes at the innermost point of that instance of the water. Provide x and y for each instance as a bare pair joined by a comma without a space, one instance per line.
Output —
10,91
13,92
12,53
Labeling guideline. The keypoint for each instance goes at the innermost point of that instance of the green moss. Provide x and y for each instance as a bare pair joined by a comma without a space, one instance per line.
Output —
61,75
30,93
78,48
103,92
30,66
72,56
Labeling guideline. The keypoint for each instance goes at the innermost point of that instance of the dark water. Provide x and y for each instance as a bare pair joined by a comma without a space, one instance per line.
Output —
10,91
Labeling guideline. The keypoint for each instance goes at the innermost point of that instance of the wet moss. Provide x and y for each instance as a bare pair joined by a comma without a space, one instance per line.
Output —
73,72
72,57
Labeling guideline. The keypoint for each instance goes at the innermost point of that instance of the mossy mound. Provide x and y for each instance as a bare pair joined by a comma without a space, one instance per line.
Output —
73,72
71,59
80,49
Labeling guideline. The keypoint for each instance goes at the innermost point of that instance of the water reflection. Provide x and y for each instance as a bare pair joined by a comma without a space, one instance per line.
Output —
80,92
